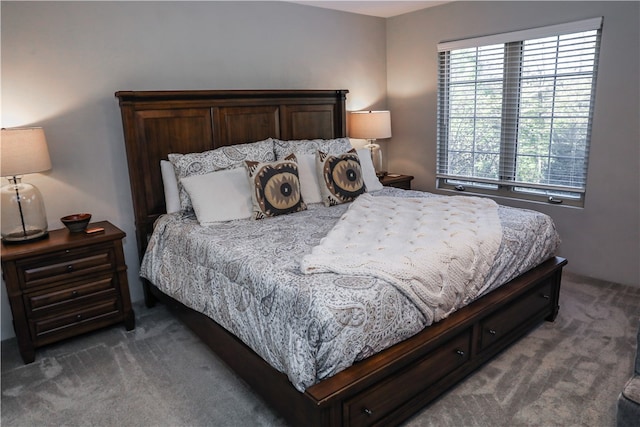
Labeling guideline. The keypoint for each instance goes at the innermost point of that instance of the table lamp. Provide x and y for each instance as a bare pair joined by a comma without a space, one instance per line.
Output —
23,151
371,125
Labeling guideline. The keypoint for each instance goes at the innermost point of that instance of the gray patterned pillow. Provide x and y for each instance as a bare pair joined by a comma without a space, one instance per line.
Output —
340,177
229,157
311,146
275,187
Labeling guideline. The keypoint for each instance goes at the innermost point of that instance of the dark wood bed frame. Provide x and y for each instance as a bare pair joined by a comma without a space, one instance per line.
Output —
384,389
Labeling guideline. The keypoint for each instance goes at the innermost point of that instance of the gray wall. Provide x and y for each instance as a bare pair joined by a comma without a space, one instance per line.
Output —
62,62
602,240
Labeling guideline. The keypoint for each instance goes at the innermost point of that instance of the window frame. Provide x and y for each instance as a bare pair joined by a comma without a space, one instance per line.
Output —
506,185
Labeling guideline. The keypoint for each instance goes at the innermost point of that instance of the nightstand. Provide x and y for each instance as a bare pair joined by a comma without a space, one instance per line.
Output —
397,180
66,285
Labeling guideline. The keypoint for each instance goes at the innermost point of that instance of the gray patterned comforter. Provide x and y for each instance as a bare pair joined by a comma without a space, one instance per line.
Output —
245,275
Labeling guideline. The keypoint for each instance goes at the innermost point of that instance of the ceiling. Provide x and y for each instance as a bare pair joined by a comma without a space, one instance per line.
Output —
382,9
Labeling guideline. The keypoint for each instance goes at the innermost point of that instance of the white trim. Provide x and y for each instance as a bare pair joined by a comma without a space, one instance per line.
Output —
550,187
532,33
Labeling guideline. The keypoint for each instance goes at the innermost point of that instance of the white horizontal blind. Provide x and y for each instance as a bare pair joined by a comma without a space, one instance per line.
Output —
517,115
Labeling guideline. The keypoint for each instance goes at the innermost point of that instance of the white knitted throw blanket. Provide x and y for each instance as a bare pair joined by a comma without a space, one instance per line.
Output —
437,251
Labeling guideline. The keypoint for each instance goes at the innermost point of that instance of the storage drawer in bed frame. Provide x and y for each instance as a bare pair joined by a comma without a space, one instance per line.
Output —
376,402
500,327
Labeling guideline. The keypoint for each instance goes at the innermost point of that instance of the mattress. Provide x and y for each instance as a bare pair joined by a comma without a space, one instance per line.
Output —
245,275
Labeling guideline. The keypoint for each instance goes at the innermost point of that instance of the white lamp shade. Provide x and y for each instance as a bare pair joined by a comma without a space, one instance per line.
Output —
370,124
23,151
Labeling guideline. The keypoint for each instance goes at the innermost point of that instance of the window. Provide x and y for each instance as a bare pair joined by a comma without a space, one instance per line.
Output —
515,110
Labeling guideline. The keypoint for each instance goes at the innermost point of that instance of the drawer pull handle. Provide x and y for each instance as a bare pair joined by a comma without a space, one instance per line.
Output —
368,411
492,332
78,317
69,268
546,296
460,353
74,294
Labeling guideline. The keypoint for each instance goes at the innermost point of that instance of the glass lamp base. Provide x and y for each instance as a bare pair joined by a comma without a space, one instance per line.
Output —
23,215
376,157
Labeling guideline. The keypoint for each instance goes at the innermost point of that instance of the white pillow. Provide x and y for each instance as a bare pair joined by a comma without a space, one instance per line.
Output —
219,196
371,181
170,184
309,184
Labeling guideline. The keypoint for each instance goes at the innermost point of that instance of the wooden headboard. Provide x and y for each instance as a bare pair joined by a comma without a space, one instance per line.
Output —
157,123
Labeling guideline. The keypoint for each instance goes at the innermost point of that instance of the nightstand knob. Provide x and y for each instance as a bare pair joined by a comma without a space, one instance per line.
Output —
69,268
78,317
74,294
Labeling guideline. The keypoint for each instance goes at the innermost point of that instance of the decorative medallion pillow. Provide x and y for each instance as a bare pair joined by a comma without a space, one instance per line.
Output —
275,187
228,157
340,177
310,146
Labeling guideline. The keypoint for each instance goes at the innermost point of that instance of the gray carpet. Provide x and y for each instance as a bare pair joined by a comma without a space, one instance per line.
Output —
566,373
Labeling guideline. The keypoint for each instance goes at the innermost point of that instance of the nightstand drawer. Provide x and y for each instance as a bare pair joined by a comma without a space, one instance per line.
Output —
69,265
66,297
87,318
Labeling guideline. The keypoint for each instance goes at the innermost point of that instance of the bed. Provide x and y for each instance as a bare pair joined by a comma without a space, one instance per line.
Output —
383,385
